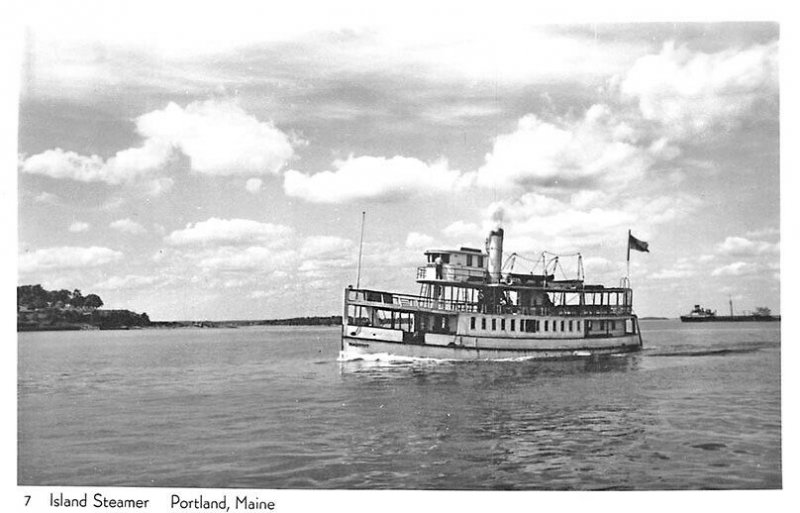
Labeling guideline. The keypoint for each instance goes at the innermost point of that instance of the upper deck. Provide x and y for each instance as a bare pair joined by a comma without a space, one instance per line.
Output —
469,280
583,302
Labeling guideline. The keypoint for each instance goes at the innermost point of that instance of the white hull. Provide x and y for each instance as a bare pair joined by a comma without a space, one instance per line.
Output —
522,349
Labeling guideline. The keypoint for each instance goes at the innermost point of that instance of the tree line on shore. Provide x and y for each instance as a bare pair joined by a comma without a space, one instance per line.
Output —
41,309
35,297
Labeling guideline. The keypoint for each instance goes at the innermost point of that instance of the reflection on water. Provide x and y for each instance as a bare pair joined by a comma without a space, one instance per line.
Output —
275,408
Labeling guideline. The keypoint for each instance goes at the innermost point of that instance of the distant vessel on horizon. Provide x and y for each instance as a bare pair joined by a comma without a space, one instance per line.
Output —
700,314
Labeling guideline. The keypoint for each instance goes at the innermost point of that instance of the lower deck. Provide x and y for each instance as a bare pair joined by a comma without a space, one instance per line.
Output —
365,340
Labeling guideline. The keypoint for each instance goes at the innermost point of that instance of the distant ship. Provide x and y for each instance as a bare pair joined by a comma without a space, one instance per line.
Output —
700,314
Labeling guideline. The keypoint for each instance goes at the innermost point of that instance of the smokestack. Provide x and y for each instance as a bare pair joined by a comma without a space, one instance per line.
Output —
494,246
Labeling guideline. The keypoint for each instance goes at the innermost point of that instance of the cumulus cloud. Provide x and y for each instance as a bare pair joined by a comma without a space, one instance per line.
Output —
740,246
325,245
47,197
372,178
418,240
538,221
764,232
158,186
736,269
253,258
128,226
129,281
693,93
228,231
237,252
219,138
67,257
598,149
683,268
253,185
125,166
78,226
462,229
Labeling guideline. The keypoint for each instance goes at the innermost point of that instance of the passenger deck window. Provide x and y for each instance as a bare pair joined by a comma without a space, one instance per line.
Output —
512,324
472,323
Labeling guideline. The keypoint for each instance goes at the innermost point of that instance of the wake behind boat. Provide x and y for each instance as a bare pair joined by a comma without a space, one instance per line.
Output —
469,307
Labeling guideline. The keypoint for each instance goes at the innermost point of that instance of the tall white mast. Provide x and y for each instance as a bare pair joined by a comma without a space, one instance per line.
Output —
360,247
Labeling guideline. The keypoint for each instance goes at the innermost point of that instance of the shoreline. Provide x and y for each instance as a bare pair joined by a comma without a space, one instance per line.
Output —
333,320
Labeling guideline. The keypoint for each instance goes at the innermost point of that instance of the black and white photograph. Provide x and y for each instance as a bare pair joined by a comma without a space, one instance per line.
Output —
429,247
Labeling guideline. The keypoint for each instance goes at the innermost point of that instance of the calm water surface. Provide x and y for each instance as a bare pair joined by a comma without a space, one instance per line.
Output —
273,408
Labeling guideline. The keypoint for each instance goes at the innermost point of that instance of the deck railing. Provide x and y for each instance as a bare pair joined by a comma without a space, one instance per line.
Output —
451,273
412,302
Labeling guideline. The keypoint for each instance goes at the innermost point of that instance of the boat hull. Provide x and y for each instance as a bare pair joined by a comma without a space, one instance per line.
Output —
539,348
732,318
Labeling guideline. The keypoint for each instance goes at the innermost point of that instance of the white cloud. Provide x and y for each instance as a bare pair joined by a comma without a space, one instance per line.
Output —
417,240
220,138
372,178
158,186
79,47
128,226
764,232
125,166
692,93
739,246
253,185
677,272
536,222
262,294
597,149
251,259
599,265
47,197
78,226
462,229
228,231
127,282
325,245
67,257
736,269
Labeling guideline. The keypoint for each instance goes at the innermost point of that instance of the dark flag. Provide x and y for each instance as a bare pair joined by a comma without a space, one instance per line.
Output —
636,244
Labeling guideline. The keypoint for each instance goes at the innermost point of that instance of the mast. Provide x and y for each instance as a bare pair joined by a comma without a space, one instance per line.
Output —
628,266
730,303
360,247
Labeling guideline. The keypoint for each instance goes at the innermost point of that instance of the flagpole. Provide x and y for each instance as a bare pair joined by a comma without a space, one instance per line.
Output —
628,243
360,246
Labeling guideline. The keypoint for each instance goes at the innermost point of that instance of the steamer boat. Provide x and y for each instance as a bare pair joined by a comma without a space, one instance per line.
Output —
470,306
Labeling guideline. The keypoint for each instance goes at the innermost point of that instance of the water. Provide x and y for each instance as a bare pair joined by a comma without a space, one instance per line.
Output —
699,408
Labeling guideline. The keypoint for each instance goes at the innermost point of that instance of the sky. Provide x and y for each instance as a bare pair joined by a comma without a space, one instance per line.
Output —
215,164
